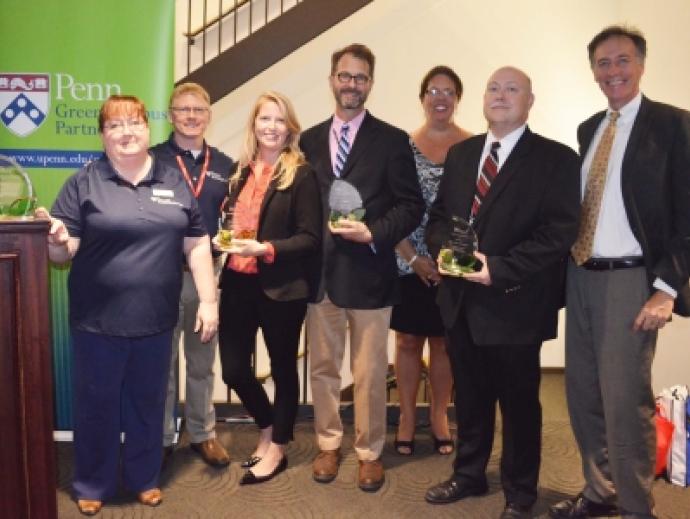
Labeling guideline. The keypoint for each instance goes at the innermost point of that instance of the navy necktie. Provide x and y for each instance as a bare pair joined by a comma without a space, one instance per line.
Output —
343,150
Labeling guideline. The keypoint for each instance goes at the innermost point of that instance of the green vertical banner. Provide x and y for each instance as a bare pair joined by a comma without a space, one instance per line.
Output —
59,60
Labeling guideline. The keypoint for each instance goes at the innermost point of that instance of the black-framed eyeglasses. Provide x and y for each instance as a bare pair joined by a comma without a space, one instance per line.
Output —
437,92
186,110
346,77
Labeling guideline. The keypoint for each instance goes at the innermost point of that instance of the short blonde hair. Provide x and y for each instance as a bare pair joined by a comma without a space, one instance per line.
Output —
290,158
189,88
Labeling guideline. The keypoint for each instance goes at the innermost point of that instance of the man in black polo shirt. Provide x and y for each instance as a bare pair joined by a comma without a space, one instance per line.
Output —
205,169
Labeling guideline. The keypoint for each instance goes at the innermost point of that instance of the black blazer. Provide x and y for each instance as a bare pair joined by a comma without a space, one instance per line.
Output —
526,226
655,179
381,166
291,220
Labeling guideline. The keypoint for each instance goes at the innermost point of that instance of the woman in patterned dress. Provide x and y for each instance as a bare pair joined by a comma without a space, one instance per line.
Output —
417,319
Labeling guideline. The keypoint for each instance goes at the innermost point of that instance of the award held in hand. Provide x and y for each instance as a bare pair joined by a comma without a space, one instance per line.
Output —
457,255
345,203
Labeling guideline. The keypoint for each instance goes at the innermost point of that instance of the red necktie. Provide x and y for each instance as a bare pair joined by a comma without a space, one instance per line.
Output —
486,177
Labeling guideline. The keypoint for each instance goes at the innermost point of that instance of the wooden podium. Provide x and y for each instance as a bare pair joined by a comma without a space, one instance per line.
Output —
27,455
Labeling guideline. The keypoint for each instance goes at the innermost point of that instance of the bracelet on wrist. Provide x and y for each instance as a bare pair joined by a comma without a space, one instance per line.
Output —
412,260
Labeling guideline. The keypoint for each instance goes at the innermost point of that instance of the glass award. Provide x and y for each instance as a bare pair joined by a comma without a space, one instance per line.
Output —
17,199
457,255
224,236
345,203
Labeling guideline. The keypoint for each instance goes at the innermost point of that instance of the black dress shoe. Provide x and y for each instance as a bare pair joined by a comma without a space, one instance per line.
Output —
453,490
579,507
250,479
250,462
515,511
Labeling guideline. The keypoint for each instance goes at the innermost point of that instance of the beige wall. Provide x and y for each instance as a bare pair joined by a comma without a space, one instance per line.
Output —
546,38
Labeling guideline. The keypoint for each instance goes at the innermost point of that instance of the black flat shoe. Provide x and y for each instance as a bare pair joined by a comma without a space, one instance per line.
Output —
250,462
399,445
250,479
441,443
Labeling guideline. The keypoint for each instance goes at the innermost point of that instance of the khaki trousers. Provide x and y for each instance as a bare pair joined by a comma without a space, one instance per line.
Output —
327,326
200,414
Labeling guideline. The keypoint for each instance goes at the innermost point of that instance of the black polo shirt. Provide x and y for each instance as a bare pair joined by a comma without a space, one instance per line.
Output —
126,276
215,186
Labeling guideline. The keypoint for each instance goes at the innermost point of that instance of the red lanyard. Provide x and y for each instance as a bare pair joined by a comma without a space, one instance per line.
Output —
200,183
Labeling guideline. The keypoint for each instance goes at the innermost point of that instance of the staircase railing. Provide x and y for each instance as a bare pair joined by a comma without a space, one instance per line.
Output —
226,22
248,36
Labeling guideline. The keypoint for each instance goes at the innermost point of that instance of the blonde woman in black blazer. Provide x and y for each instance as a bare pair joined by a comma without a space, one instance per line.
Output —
266,280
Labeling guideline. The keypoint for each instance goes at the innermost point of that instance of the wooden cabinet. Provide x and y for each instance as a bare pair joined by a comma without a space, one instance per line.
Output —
27,455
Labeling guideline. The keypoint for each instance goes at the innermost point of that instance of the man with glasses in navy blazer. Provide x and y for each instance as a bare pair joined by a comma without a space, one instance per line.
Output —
358,276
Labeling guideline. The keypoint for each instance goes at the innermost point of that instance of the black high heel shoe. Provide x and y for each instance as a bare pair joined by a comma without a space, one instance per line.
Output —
250,462
250,479
440,444
404,447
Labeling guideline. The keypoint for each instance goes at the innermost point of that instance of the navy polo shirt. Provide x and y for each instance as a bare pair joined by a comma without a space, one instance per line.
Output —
126,276
215,186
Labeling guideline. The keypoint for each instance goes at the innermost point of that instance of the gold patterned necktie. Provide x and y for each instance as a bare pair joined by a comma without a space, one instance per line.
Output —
594,190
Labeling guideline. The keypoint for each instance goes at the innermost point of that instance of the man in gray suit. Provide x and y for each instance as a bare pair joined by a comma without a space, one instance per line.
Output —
629,272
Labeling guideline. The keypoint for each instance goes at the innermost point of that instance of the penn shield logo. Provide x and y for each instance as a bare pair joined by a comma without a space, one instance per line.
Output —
24,101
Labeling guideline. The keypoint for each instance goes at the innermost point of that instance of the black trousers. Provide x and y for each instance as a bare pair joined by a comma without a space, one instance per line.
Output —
509,375
244,308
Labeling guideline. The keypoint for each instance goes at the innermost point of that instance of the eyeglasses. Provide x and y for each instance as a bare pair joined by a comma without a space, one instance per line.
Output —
136,125
437,92
346,77
196,110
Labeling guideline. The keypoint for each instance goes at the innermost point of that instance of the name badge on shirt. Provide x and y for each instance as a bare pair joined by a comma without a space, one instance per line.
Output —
164,197
216,176
163,193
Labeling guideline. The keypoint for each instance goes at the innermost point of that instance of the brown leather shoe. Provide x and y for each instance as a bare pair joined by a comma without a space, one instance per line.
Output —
151,497
326,465
212,452
371,475
89,506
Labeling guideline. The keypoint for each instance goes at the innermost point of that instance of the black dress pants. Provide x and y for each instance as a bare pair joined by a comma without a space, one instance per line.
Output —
244,308
510,375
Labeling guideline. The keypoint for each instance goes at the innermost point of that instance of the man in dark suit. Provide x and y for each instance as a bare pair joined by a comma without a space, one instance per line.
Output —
520,192
628,274
358,277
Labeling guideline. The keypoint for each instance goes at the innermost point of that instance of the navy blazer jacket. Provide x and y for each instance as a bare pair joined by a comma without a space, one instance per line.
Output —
381,167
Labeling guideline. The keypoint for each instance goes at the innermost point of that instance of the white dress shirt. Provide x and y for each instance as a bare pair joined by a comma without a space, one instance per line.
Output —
507,144
614,237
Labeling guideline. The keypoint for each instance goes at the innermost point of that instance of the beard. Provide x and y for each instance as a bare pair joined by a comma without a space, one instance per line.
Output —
350,98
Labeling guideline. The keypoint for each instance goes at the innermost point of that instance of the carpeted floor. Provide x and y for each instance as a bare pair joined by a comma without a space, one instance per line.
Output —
193,490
